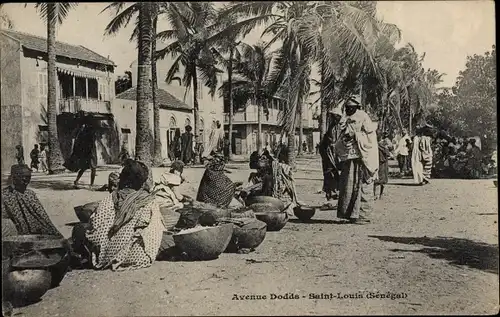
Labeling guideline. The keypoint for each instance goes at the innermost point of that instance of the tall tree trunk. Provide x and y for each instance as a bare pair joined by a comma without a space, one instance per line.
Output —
323,116
259,119
156,107
55,160
196,108
231,110
142,139
301,127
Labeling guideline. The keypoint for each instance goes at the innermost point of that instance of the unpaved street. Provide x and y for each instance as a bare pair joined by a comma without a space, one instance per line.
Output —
437,244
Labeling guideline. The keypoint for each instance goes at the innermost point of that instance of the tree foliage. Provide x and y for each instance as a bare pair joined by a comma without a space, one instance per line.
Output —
469,109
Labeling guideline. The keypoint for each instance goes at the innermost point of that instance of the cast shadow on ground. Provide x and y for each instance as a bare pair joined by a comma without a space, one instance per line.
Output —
404,184
52,184
318,221
456,251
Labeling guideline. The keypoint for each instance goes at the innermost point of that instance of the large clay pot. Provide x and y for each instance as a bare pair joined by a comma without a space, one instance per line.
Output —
35,252
247,236
275,220
27,286
205,243
275,202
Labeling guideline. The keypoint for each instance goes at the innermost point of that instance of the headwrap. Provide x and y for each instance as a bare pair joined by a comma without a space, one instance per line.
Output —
130,196
20,170
216,163
353,101
177,166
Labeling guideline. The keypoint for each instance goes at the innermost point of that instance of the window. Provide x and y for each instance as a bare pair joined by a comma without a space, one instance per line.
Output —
187,122
43,133
103,92
43,88
199,93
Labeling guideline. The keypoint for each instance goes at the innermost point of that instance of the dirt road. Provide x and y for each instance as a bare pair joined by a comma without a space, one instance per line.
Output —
434,247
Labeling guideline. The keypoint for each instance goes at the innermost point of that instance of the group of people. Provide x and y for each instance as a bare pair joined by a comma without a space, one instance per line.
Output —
187,148
455,158
38,157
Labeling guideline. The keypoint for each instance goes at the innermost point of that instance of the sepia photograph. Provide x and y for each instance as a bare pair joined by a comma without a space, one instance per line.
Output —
249,158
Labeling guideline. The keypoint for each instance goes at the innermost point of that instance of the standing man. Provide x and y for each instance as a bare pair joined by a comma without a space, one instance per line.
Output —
187,146
474,160
84,155
402,153
357,149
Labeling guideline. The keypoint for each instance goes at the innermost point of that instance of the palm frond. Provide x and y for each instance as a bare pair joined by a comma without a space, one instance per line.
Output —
54,12
122,19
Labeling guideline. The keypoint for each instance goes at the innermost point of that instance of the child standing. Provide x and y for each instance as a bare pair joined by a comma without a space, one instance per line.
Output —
43,159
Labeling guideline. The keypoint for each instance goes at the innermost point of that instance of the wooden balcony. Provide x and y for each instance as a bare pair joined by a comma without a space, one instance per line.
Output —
82,104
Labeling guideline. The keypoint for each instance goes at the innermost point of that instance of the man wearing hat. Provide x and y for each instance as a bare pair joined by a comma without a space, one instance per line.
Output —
357,149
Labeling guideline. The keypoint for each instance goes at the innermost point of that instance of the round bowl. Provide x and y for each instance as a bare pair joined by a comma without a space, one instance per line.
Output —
304,213
204,243
83,212
275,220
248,236
28,286
275,202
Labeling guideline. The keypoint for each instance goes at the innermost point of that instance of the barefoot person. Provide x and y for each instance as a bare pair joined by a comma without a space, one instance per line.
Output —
426,156
22,207
416,159
357,149
384,154
84,154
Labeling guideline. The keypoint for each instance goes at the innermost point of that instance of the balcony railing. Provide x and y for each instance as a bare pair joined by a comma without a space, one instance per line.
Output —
251,118
81,104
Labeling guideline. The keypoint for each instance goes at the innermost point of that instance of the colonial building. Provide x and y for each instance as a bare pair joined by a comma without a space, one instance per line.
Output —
245,127
85,83
173,114
210,108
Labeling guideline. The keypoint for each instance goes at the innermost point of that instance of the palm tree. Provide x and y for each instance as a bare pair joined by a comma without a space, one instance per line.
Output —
195,31
142,143
251,81
53,14
229,64
345,38
122,18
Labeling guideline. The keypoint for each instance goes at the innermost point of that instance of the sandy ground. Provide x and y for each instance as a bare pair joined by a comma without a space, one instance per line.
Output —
437,244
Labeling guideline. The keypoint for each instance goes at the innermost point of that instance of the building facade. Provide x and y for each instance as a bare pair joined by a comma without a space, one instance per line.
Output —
210,107
174,114
85,83
245,127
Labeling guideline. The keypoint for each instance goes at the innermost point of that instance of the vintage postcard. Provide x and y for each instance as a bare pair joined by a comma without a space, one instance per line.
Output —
249,158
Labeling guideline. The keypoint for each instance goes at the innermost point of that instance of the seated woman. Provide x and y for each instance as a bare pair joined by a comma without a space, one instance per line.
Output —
166,191
22,207
215,187
276,181
126,229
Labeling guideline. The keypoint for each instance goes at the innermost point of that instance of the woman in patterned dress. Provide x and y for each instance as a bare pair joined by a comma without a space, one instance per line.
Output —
21,206
126,229
215,187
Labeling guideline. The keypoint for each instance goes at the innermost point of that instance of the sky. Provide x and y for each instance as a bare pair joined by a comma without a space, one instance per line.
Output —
447,31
